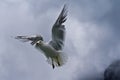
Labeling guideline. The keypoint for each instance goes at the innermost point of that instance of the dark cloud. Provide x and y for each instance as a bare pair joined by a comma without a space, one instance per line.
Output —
113,71
113,16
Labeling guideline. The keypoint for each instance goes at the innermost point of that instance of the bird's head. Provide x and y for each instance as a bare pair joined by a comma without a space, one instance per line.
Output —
35,39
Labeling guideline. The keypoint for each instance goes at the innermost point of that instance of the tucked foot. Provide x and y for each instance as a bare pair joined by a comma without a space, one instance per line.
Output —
53,66
58,62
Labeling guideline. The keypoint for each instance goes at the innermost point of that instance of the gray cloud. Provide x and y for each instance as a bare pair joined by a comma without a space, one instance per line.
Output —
92,41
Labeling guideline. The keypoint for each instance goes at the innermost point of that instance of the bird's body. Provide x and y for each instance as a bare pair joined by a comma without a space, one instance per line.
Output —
46,49
53,49
54,57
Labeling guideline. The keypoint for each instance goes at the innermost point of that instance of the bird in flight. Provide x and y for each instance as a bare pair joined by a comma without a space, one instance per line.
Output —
53,50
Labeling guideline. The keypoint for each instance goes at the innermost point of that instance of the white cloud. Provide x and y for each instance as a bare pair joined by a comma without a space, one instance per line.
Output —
89,44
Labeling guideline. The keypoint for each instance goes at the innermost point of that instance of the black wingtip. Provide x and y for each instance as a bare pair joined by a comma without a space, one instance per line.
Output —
18,37
62,17
65,6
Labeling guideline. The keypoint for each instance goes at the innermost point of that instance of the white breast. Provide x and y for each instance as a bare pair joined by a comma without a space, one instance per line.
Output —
48,50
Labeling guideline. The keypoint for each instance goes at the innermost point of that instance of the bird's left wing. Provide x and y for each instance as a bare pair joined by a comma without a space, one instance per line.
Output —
58,31
23,38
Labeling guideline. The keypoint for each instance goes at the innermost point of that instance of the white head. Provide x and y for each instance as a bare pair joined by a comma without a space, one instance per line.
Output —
35,39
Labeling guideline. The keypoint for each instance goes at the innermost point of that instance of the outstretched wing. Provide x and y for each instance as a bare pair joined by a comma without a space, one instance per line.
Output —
23,38
58,31
32,38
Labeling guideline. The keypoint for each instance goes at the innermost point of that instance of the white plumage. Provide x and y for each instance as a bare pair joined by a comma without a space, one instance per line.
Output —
53,49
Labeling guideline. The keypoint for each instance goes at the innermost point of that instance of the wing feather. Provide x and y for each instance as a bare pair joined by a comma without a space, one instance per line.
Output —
58,31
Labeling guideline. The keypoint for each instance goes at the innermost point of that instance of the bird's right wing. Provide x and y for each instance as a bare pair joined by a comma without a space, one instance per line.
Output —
58,31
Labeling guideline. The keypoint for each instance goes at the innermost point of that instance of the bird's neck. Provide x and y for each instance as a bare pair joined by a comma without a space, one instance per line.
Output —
41,45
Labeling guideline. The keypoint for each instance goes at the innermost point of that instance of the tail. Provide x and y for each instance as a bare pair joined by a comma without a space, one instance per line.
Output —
58,61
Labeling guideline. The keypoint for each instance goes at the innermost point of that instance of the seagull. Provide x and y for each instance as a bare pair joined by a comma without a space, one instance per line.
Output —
53,49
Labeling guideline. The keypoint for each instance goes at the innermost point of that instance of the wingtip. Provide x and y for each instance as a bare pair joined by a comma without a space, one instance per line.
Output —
65,6
18,37
65,9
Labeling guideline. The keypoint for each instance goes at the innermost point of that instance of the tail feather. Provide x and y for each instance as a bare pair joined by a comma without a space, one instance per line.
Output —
58,61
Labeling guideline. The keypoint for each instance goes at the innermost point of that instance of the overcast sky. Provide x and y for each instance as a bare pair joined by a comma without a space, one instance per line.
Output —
92,38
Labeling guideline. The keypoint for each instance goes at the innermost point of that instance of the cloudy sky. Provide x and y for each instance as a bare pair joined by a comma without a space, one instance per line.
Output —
92,39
